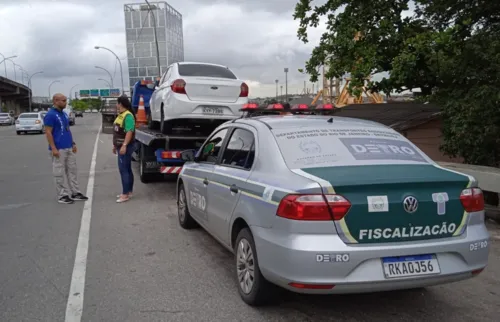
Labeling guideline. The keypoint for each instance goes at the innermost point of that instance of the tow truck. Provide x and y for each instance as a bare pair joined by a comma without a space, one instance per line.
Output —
158,154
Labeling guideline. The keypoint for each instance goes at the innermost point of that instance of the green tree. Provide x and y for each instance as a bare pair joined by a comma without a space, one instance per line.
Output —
95,103
447,48
79,105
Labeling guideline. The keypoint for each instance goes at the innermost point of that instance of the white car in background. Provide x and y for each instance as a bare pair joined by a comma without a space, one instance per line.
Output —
71,114
30,122
6,119
190,95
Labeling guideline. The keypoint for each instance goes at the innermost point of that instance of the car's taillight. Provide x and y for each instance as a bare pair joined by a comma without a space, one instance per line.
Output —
472,199
37,122
244,90
178,86
313,207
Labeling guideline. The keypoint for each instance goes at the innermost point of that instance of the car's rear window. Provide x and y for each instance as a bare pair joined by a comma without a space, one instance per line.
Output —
311,147
28,116
4,114
202,70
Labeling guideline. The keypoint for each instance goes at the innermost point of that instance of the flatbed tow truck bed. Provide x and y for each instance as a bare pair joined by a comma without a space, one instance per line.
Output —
159,155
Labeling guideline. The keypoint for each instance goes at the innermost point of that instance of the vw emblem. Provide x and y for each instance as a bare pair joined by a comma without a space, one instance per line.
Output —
410,204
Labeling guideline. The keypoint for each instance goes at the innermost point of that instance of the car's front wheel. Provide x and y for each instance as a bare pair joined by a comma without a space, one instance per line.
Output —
254,289
185,219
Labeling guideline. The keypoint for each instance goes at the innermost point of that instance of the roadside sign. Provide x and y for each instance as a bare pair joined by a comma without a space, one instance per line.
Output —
104,92
84,93
94,92
115,92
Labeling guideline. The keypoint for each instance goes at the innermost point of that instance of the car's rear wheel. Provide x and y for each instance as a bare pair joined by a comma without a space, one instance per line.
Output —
254,289
185,219
18,132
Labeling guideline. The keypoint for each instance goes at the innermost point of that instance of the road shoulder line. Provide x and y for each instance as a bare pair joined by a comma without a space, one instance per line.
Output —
74,306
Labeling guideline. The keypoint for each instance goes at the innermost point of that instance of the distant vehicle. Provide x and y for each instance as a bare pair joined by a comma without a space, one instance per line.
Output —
331,205
71,114
192,94
30,122
6,119
78,114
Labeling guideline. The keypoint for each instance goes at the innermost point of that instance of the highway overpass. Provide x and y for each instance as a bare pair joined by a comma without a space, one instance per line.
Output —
13,96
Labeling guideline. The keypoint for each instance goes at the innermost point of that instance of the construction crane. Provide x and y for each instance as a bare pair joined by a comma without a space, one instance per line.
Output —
343,98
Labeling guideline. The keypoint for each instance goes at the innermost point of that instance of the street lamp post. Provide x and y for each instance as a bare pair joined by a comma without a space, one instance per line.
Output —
156,39
286,84
5,64
102,79
121,69
276,89
29,86
281,91
71,90
56,81
110,77
23,72
14,64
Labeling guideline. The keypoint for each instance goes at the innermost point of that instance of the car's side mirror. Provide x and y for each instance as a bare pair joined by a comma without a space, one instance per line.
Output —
188,155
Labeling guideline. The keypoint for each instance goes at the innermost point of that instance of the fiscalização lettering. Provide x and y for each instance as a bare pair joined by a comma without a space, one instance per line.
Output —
406,232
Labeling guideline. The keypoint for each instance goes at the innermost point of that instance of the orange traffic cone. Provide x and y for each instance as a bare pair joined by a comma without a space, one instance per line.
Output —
141,114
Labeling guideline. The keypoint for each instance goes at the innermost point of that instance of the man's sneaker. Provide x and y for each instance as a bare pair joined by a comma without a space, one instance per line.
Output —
79,197
65,199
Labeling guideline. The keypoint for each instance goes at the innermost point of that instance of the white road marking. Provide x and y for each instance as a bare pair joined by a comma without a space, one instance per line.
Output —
74,307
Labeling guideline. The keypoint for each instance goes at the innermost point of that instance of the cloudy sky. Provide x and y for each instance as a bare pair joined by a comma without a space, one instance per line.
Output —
255,38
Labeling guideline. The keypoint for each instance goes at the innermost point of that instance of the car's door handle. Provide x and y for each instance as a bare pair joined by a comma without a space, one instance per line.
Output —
233,188
205,181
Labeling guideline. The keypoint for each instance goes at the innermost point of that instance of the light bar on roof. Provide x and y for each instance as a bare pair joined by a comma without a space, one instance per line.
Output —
300,107
250,106
276,106
324,107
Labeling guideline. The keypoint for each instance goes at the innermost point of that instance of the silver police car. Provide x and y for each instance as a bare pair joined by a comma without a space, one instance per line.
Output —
323,204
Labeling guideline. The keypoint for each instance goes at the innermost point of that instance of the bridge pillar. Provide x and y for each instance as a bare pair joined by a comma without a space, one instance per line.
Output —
11,105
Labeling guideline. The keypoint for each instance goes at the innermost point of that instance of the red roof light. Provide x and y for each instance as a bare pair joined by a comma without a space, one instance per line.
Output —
250,106
325,107
300,107
275,107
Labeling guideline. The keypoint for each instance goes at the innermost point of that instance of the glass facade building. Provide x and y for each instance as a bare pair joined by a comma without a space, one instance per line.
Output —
141,47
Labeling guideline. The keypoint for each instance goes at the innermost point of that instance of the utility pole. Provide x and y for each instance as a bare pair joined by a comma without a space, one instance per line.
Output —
276,89
281,96
286,85
156,39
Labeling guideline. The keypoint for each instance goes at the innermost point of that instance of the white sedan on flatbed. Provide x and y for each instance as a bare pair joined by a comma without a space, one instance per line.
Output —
193,94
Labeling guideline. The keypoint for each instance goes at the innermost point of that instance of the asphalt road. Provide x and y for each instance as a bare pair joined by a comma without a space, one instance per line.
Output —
142,266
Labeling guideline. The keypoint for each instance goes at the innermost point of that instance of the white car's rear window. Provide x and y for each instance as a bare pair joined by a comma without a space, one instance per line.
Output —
28,116
311,147
4,114
203,70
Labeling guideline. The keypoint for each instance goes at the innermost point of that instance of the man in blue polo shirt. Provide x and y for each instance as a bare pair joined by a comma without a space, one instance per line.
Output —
62,149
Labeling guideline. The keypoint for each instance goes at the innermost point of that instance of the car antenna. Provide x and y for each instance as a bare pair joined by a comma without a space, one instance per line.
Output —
330,120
